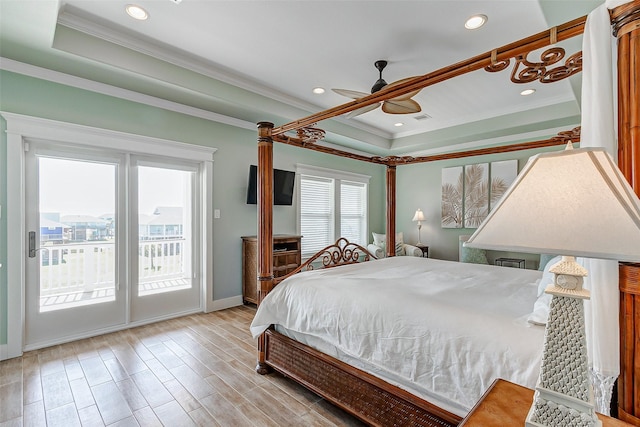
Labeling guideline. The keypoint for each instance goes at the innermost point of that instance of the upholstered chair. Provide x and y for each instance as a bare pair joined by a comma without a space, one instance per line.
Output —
379,248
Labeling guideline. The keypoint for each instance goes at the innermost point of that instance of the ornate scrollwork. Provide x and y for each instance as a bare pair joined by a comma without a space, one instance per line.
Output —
310,135
393,160
624,16
540,70
498,66
573,65
565,136
342,252
495,64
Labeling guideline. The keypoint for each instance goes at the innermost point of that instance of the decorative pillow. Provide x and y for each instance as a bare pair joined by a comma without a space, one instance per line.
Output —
399,244
474,255
381,241
541,306
544,259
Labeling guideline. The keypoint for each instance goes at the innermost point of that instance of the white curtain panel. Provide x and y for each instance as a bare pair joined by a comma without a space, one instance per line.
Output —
599,88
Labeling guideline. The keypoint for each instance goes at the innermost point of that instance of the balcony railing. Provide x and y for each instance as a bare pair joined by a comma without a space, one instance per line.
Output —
76,266
87,266
161,260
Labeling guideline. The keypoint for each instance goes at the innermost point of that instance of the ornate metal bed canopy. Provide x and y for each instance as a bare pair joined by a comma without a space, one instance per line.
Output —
272,350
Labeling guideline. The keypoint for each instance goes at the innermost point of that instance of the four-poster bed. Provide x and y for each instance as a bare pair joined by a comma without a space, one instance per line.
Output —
365,395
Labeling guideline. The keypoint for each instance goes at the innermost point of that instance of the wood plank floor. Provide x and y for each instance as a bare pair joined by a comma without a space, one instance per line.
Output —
192,371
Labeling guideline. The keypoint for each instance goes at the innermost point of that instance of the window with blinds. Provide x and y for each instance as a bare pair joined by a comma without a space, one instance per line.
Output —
331,204
316,213
353,212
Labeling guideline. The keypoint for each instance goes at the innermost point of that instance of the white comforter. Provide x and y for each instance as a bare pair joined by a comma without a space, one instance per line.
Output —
439,329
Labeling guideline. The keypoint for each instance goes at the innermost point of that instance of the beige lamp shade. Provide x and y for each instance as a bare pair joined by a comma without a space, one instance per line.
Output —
419,216
572,202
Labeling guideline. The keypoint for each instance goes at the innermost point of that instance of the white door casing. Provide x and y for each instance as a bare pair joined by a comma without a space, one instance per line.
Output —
20,131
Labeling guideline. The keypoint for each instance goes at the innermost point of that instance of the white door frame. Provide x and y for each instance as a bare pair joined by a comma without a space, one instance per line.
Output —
22,128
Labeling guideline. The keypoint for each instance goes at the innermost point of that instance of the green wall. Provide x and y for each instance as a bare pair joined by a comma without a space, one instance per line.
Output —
237,149
3,225
419,186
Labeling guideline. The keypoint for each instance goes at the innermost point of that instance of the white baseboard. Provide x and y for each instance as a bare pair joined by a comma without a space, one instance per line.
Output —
4,351
107,330
221,304
216,305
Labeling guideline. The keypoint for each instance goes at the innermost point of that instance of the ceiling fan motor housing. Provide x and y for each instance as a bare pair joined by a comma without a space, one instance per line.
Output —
380,83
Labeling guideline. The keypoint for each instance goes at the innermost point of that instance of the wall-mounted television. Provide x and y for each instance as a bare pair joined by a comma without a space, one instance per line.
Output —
283,182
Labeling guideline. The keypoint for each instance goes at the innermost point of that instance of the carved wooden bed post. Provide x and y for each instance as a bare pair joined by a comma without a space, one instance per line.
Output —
626,27
265,225
391,210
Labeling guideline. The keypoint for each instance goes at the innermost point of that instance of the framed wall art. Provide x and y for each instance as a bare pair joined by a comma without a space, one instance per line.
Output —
452,192
502,176
476,194
469,192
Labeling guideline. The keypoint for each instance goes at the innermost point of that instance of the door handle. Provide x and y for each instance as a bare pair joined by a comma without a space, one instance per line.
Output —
32,244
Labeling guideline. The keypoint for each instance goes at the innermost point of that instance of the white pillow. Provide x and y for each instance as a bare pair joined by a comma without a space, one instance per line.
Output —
541,306
380,240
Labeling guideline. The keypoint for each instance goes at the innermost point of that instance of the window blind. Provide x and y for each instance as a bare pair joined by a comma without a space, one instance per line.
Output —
353,219
316,213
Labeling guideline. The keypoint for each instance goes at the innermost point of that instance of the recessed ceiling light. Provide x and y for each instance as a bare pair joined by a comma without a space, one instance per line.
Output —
399,124
318,90
136,12
476,21
527,92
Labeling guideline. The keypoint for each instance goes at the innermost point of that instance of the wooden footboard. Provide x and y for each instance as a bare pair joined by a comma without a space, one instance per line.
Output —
342,252
367,397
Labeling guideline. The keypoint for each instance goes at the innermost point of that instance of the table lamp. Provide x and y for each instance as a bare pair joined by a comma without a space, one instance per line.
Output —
419,216
569,203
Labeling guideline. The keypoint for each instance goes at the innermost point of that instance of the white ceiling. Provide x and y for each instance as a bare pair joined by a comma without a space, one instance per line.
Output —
260,60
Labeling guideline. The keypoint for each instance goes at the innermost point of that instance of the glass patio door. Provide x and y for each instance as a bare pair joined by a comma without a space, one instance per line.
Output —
74,271
164,215
111,242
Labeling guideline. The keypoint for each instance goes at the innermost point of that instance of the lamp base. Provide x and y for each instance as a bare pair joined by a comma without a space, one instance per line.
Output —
564,396
553,409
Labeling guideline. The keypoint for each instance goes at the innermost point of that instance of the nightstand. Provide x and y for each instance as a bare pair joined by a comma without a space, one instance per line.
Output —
510,262
507,404
424,249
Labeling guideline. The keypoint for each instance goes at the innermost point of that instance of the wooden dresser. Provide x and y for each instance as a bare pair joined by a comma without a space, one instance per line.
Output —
507,404
286,258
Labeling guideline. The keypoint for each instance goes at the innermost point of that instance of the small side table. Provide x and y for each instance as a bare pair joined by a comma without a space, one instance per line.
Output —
507,404
424,249
510,262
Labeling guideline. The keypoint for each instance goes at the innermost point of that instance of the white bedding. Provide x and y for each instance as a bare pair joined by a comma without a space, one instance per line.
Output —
439,329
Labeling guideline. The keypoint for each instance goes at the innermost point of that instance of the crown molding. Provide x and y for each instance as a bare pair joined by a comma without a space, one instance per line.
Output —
189,62
126,94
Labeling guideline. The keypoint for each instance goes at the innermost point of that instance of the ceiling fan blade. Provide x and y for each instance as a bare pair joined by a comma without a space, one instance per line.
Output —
404,106
353,94
362,110
406,95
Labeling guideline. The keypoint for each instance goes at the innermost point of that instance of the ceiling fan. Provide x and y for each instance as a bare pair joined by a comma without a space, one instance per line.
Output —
402,104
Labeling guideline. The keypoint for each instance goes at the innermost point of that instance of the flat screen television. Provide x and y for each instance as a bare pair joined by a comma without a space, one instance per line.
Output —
283,182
